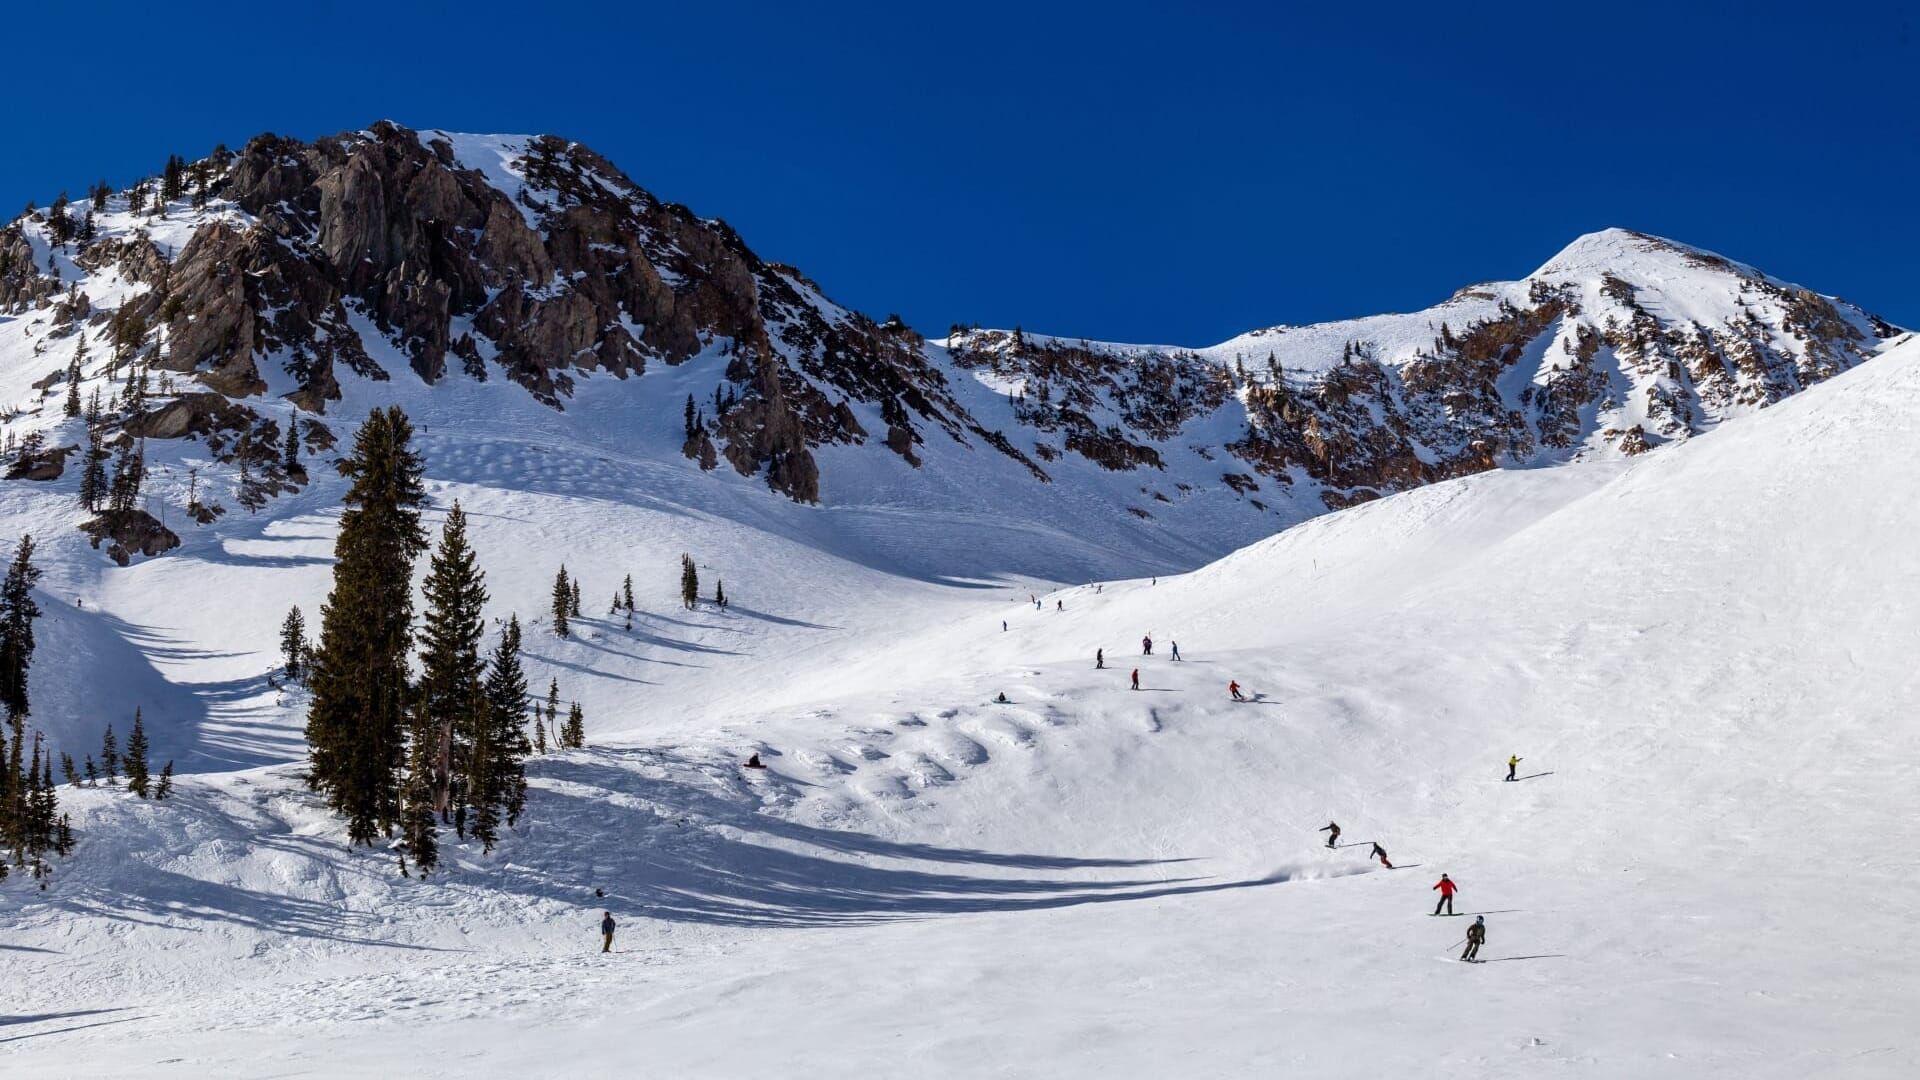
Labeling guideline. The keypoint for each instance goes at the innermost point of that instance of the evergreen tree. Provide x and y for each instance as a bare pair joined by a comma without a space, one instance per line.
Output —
719,593
129,472
418,826
67,771
574,735
553,707
290,453
63,839
359,672
293,642
165,788
496,770
573,599
626,592
689,583
17,612
93,475
539,733
110,755
452,708
72,406
100,193
171,183
136,759
562,602
691,421
92,771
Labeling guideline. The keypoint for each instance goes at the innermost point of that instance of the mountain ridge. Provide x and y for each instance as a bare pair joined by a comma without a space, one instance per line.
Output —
274,272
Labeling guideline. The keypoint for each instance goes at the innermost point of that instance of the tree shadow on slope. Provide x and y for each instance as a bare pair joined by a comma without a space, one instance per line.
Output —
152,896
690,846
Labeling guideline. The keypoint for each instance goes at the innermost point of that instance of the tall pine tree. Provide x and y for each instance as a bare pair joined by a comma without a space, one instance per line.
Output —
17,612
496,770
357,722
451,704
293,643
136,761
689,583
562,602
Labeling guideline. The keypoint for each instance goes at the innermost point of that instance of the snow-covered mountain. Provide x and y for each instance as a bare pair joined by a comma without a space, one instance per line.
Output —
278,277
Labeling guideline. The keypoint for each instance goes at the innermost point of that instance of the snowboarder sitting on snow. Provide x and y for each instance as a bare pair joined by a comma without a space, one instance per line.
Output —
1447,889
753,762
1234,689
1476,937
1136,678
1001,698
1333,834
1380,853
606,931
1146,646
1512,764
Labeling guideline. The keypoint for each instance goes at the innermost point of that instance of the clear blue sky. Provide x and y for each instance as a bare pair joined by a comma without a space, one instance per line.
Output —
1153,172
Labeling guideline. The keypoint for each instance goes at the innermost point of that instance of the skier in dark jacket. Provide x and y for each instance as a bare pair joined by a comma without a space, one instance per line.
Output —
606,931
1476,937
1176,650
1099,659
1333,834
1447,889
1380,853
1146,646
1136,678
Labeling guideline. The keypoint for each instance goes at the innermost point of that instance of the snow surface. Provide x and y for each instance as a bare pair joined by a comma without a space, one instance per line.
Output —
1703,655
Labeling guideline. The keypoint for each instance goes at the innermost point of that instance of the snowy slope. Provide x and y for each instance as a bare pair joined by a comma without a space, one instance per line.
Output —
1701,653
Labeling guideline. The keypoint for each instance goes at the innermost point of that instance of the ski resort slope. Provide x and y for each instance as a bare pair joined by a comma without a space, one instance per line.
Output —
1708,869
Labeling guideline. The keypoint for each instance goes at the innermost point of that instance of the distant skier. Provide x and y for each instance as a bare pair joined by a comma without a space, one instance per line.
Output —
1099,589
1146,645
1476,937
1059,605
753,762
1136,678
1003,626
606,931
1333,834
1234,689
1176,650
1447,889
1001,699
1380,853
1099,659
1512,764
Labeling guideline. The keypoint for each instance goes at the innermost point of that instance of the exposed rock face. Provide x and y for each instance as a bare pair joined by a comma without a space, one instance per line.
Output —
40,465
132,532
396,254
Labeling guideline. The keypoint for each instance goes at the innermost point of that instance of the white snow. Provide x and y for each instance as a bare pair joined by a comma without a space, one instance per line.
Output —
1703,655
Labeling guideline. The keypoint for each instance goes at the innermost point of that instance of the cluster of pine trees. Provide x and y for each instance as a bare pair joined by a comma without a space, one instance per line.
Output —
31,824
389,751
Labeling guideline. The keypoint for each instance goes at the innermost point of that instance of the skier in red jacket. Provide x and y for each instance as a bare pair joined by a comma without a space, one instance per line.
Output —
1447,889
1136,678
1234,689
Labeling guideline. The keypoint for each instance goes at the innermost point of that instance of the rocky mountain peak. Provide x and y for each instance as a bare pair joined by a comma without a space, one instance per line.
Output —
254,284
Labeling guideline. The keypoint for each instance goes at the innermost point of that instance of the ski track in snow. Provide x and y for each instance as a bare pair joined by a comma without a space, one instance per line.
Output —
1704,655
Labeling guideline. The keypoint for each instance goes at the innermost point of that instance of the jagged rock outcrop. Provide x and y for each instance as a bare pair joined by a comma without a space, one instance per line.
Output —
390,253
130,532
